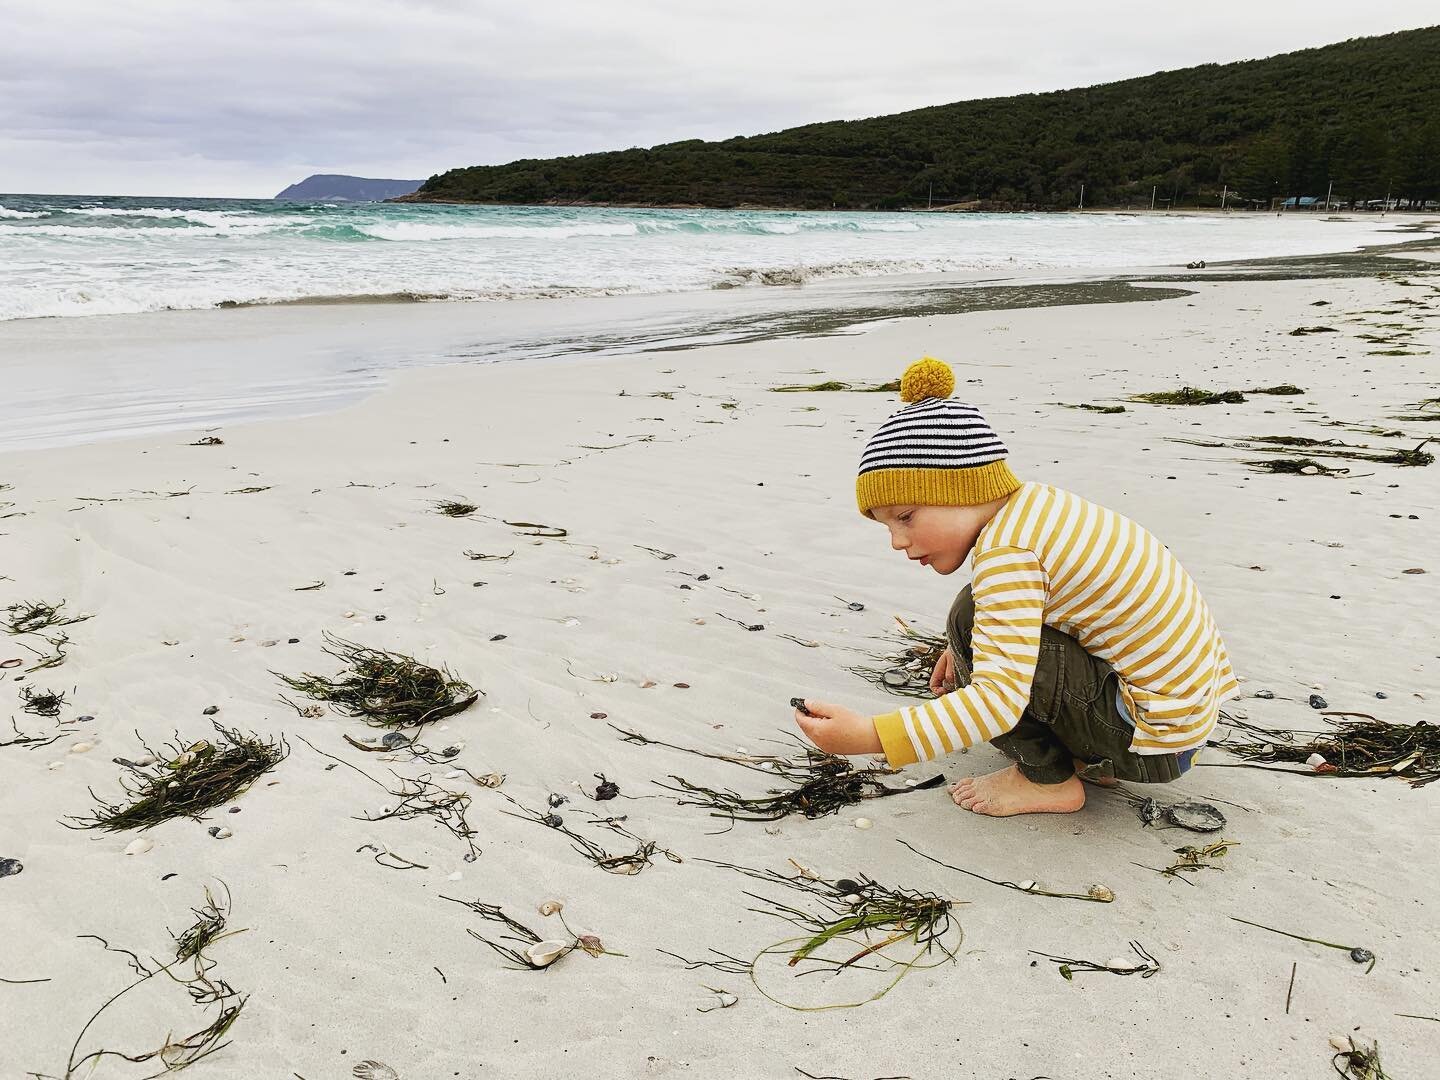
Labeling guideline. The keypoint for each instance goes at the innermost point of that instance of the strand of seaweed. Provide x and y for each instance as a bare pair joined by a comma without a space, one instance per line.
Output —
527,958
1098,894
418,797
908,671
1145,965
33,742
1365,746
822,783
1331,448
1192,860
187,781
203,987
867,917
386,689
31,618
623,864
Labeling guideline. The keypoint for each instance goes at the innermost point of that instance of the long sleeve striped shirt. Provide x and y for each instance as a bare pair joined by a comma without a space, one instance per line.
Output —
1051,558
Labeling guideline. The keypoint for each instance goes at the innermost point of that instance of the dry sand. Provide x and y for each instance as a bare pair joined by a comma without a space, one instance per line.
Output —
346,960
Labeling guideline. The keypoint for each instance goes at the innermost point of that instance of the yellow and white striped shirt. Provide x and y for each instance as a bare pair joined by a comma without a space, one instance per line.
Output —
1051,558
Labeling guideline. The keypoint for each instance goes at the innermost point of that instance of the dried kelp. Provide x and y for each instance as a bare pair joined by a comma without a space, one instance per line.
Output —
48,659
1193,859
1295,466
480,556
623,863
187,781
420,797
33,617
891,387
454,509
534,953
204,988
33,742
1282,390
1189,395
1363,746
386,689
1359,1062
905,669
821,783
45,703
1301,331
1144,964
862,915
1357,953
1098,894
1328,448
1106,410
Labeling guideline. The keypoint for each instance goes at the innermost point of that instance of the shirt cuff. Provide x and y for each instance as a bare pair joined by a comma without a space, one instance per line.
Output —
893,739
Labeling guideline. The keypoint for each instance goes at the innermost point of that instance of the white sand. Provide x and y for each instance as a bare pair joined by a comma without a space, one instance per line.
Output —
340,954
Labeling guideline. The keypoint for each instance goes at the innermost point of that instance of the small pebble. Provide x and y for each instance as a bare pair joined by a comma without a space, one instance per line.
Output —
1341,1044
1266,694
499,637
1381,694
234,810
598,715
10,867
210,710
84,719
293,640
1318,702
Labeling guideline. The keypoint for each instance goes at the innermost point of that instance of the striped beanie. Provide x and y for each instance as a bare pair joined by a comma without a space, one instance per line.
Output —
936,451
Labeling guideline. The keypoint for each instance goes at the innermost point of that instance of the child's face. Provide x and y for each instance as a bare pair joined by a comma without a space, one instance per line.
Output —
939,537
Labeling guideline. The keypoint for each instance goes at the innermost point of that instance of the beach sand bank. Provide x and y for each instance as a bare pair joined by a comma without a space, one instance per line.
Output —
192,560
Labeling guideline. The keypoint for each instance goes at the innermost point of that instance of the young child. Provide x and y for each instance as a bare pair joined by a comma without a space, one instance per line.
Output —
1080,646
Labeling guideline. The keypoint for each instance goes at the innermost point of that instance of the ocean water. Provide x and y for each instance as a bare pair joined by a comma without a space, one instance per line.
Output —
64,256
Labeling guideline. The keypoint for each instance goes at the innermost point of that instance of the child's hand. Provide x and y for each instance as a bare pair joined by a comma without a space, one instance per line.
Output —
942,679
838,730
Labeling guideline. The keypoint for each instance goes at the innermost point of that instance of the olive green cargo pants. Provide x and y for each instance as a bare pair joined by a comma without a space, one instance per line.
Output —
1072,715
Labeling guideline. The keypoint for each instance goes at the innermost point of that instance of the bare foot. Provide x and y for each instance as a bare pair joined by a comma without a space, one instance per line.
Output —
1007,792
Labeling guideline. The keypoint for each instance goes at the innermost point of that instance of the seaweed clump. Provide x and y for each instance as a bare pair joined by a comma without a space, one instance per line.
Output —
1190,395
34,617
1361,747
387,689
455,509
906,669
189,781
891,387
41,702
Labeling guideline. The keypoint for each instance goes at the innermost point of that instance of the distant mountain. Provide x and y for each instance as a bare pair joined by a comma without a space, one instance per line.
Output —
328,186
1363,115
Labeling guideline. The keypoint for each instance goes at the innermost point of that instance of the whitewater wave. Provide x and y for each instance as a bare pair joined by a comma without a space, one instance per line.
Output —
411,230
6,212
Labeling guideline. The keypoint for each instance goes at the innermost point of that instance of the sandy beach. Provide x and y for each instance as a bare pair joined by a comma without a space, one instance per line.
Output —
710,540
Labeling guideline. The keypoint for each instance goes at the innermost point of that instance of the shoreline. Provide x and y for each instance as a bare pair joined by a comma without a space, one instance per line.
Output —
198,564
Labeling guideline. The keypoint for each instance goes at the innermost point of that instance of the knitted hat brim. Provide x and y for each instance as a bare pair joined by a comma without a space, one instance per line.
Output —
934,487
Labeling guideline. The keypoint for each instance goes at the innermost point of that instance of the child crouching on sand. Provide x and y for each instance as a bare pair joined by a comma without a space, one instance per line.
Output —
1080,648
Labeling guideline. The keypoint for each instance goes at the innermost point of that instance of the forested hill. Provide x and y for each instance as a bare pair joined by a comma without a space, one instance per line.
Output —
1364,114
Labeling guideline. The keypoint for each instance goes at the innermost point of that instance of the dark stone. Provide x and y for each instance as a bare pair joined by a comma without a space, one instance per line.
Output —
396,739
10,867
1265,694
498,637
294,641
1318,702
855,605
210,710
845,885
1381,694
702,577
379,618
557,800
553,820
84,719
1361,956
598,715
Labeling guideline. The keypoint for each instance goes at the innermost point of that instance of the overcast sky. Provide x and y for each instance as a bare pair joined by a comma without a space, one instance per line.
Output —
215,97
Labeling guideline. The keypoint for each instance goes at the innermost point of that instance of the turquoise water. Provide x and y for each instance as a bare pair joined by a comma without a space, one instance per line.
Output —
64,256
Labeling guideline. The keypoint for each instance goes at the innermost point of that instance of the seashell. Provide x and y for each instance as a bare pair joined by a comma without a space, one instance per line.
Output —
210,710
863,823
1027,885
570,622
56,765
394,739
1121,963
550,907
82,748
374,1070
768,766
852,898
173,785
1315,760
545,953
648,683
453,774
1342,1044
591,944
144,760
1265,694
895,677
608,676
1361,956
10,867
741,750
219,832
139,846
1101,893
492,780
83,719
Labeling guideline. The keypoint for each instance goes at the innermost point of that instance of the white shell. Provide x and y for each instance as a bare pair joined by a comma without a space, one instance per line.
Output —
1027,885
56,765
851,898
1315,760
454,774
223,833
145,759
545,953
82,747
768,766
550,907
863,823
1121,963
139,845
1342,1043
1102,892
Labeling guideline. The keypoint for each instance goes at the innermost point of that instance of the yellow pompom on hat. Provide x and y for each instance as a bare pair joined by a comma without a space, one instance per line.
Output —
936,451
